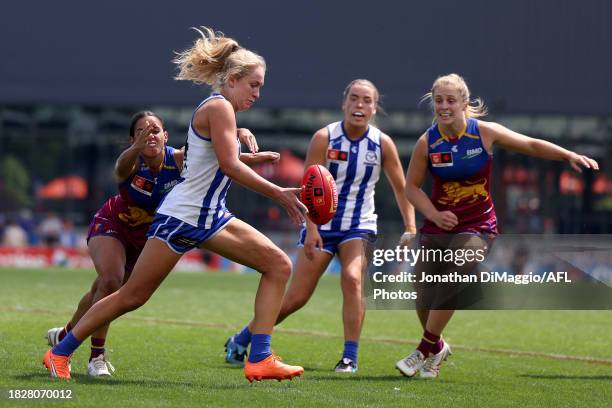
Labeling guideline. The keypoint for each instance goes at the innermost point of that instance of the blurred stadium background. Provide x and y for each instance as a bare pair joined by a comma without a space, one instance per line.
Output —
72,74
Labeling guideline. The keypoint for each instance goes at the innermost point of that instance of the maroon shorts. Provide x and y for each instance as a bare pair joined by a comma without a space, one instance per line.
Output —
129,225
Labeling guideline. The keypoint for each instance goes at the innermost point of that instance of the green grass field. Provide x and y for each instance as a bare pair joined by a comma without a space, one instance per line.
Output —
170,352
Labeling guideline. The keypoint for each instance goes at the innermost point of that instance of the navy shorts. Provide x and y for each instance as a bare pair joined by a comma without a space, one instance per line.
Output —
333,239
182,237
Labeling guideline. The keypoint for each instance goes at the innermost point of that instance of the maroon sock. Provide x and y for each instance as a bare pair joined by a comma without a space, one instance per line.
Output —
97,347
427,343
436,348
64,331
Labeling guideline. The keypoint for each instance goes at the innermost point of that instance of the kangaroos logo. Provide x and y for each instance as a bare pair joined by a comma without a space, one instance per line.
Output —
371,158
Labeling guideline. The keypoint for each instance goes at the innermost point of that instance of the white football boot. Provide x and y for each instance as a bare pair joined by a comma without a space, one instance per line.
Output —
53,339
431,368
53,335
99,367
346,365
412,364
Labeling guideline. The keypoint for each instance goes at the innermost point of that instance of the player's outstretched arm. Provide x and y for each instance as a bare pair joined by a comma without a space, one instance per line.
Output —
252,159
508,139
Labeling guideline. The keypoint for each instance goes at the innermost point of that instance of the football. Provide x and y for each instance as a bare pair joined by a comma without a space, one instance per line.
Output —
319,194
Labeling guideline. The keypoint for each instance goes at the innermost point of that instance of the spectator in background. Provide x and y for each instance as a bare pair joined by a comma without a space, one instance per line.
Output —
14,235
3,222
50,229
26,221
68,236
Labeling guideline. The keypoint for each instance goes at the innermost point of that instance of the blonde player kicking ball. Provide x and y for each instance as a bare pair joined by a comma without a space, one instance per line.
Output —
457,151
145,172
355,152
194,213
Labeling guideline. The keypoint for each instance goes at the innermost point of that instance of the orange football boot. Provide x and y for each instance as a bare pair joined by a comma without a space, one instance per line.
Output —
58,366
271,368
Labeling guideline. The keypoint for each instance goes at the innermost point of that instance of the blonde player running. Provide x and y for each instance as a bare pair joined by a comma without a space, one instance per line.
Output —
457,152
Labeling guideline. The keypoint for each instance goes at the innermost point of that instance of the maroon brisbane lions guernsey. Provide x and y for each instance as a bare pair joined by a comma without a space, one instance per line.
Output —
127,216
461,170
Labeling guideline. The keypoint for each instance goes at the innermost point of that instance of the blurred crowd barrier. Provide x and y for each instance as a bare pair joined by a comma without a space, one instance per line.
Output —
53,242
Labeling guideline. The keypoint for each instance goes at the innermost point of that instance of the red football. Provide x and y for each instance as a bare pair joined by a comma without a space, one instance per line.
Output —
319,194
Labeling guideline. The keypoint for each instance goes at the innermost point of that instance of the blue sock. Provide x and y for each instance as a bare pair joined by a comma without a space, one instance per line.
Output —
67,346
260,347
243,337
350,350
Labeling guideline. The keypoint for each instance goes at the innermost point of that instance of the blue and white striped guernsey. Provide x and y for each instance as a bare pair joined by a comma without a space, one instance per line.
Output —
199,200
355,165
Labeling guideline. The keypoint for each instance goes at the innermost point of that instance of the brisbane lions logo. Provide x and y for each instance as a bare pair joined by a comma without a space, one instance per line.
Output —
455,192
135,216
